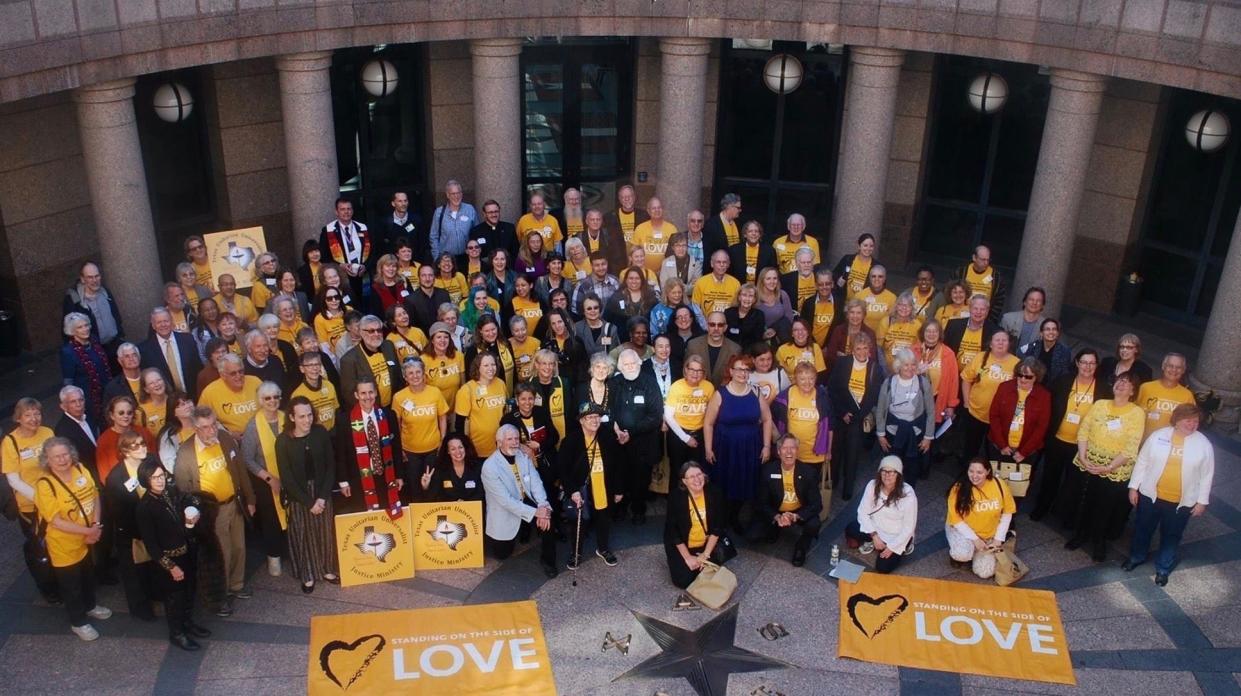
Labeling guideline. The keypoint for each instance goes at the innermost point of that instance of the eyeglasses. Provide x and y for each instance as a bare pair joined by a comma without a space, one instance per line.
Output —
1025,376
158,475
741,368
472,246
1087,363
1128,346
695,370
331,297
271,398
197,247
716,324
592,308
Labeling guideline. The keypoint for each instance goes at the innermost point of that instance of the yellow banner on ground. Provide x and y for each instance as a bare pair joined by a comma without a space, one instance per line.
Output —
954,627
488,649
234,252
371,547
447,535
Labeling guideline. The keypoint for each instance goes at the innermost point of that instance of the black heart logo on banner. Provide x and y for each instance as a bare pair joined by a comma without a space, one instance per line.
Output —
350,659
872,623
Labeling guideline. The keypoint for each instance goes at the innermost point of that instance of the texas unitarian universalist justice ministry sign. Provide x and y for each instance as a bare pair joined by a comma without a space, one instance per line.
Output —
372,547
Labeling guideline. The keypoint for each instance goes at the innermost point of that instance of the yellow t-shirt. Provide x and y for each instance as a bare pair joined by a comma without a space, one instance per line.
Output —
805,289
894,335
789,356
153,416
628,224
689,404
1076,407
213,475
991,501
697,527
445,373
383,377
133,385
418,415
409,344
803,419
878,307
971,346
455,287
980,283
484,406
234,409
202,275
715,296
751,263
986,379
575,272
598,484
192,296
1018,426
858,272
555,408
948,312
324,402
51,499
549,227
731,234
523,356
786,251
261,293
180,322
23,460
1169,485
654,241
922,303
328,330
409,273
1158,401
289,333
821,322
530,309
857,381
240,306
790,501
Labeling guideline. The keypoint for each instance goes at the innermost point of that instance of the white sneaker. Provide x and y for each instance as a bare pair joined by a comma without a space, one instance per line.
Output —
86,632
273,566
100,613
866,548
909,549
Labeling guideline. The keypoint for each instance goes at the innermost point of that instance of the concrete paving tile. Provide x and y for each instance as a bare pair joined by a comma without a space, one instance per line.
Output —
1089,681
806,681
1221,626
80,667
1197,590
256,686
1116,633
1099,602
231,661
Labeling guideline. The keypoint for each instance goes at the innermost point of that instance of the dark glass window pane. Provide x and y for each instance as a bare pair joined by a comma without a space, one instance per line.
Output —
1184,195
1228,214
1021,136
962,135
811,203
751,107
948,231
1003,235
809,124
755,201
600,109
1168,277
544,96
1210,285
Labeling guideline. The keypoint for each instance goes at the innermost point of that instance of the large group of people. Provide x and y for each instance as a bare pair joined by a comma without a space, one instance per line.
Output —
552,369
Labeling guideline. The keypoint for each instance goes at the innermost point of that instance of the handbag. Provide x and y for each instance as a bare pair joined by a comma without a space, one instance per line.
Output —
1008,567
714,585
1016,475
139,551
724,550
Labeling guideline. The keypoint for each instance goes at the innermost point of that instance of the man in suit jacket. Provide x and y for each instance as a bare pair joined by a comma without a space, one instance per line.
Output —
164,342
627,216
516,501
129,360
403,223
491,234
716,234
348,242
349,461
357,364
787,496
954,332
714,342
609,240
77,427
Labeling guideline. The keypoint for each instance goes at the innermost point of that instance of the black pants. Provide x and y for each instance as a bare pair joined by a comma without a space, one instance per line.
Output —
882,565
135,578
973,435
179,596
682,576
36,559
600,521
410,467
1057,456
851,453
502,549
639,458
270,533
768,531
679,453
77,589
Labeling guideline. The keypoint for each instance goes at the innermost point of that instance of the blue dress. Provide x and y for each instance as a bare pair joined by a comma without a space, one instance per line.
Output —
738,444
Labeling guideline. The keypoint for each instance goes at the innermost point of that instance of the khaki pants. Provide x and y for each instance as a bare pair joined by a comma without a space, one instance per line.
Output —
230,531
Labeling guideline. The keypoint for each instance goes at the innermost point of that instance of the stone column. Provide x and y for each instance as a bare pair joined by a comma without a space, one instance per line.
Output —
496,64
870,105
682,99
1063,160
1219,367
309,141
112,158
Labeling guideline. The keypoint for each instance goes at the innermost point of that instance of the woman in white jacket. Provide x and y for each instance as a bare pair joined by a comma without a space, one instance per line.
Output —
886,517
1171,482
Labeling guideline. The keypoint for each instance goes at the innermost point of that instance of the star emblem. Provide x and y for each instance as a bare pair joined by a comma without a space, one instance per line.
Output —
704,657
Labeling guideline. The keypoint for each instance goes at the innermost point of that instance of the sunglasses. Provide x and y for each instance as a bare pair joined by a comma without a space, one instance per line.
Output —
716,324
1025,376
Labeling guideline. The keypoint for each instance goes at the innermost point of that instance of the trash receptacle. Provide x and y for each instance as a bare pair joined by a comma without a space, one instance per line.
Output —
1129,296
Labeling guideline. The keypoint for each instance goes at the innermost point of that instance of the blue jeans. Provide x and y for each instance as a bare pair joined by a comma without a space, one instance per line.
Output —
1171,522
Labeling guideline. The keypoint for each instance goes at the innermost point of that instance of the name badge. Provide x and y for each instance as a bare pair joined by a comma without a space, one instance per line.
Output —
657,235
1073,418
734,331
622,304
27,453
750,270
776,476
697,392
1113,424
580,274
346,299
987,280
409,227
780,247
390,363
448,484
639,399
605,418
481,240
404,293
524,359
482,391
547,229
605,341
1153,415
270,282
1016,425
409,405
81,481
131,485
470,484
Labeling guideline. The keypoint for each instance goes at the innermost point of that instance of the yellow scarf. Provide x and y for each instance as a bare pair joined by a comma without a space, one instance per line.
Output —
267,440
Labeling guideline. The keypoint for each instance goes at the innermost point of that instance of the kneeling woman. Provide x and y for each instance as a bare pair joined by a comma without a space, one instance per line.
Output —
980,508
588,470
695,521
886,517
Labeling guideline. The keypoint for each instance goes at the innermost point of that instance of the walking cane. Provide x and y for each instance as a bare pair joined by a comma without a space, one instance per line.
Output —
577,543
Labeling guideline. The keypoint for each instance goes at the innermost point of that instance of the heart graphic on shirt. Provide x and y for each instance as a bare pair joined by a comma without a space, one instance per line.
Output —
350,661
872,615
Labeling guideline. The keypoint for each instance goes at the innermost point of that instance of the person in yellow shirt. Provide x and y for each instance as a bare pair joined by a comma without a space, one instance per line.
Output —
233,397
422,413
1158,398
926,298
480,404
900,330
786,246
978,384
852,270
196,254
653,235
685,409
449,280
321,393
523,348
788,497
67,502
538,220
445,364
187,280
957,305
878,298
1072,395
820,308
329,318
239,305
980,510
406,339
801,349
19,462
717,291
981,278
802,411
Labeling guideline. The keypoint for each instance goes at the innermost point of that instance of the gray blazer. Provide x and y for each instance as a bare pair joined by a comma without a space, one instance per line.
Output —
505,509
926,407
583,332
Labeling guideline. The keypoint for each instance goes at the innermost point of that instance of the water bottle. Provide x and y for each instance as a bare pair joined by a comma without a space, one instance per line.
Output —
835,555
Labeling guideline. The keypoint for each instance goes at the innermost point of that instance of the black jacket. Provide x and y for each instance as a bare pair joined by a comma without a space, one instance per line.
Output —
714,239
447,487
291,462
424,309
72,302
955,331
542,423
1060,389
677,521
1107,372
122,504
611,243
354,366
418,235
153,356
839,272
575,467
770,493
502,236
636,406
611,222
66,428
119,386
736,260
163,528
842,399
999,290
748,331
347,458
272,371
674,367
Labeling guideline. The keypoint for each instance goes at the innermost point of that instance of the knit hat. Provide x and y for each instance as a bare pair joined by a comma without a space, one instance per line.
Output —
892,463
438,327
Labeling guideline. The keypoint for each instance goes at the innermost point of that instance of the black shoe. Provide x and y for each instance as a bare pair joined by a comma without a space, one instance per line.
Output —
225,608
550,571
1161,579
1074,544
1129,565
1099,553
574,562
184,642
196,631
609,558
799,558
308,587
244,593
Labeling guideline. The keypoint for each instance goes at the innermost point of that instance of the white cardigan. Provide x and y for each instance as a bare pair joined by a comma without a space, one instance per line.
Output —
1197,467
895,523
